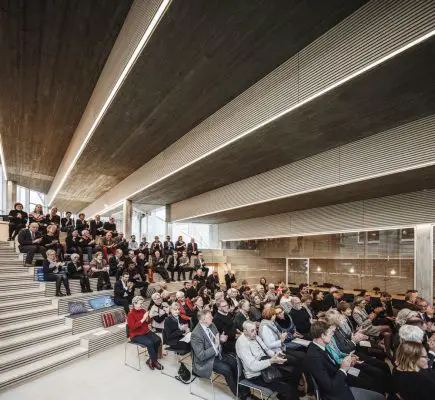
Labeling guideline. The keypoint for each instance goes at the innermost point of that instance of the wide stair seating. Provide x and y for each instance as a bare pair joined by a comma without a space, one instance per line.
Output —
36,333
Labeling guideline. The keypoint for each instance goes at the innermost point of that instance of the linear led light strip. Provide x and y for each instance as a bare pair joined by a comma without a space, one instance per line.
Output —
292,108
163,7
2,157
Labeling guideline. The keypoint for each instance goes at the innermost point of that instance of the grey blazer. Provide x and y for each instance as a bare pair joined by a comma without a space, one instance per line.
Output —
203,351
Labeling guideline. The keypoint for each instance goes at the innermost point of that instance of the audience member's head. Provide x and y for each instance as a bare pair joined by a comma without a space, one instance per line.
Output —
263,281
34,226
75,257
271,287
205,317
157,298
174,309
403,316
317,295
410,333
51,255
411,297
259,288
180,296
223,307
250,329
256,300
187,285
269,314
125,276
321,332
385,296
411,357
244,305
296,303
138,302
345,308
333,317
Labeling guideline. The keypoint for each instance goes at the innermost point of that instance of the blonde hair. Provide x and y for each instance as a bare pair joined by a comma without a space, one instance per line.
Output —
137,299
333,317
403,316
407,355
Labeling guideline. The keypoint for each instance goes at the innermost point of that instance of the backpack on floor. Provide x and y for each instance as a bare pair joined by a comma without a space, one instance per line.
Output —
183,374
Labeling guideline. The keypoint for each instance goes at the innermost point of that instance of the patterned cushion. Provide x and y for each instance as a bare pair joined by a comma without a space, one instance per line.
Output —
100,302
76,307
108,319
119,316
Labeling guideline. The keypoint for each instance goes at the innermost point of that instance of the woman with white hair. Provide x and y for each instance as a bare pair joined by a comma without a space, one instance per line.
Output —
175,329
53,271
271,296
159,311
232,299
403,316
139,331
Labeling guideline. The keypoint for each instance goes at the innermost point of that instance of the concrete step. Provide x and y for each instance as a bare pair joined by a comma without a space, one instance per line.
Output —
19,342
11,306
37,368
16,285
32,325
37,352
17,295
18,277
13,269
27,314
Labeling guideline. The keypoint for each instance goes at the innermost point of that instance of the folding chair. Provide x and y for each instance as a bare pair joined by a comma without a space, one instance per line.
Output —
265,393
316,388
181,355
138,347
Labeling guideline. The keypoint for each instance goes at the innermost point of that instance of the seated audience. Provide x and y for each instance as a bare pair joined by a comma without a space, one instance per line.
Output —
99,269
159,265
89,245
121,242
212,282
184,266
303,290
306,300
410,302
332,299
230,278
413,380
156,245
67,224
364,321
224,322
205,295
199,264
30,242
159,311
180,246
242,315
192,249
108,245
144,247
38,216
255,357
256,309
207,355
372,374
142,266
199,278
168,247
187,290
133,245
232,295
52,218
124,292
300,317
76,271
116,264
175,329
110,226
172,266
74,244
50,241
96,227
271,296
285,324
318,301
17,220
187,309
53,272
332,381
81,223
138,322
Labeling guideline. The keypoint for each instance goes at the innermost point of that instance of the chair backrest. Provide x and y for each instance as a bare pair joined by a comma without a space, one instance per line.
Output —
127,330
316,388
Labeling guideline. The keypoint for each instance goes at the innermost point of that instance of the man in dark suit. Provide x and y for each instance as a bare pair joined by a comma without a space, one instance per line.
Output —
192,248
168,247
330,379
29,242
212,282
224,322
207,354
300,317
96,227
123,292
332,299
199,277
199,263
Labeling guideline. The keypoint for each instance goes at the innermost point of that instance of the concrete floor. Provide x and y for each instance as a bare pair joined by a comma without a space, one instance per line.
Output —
104,377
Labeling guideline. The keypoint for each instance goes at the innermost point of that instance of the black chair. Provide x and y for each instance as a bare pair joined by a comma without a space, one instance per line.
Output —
315,388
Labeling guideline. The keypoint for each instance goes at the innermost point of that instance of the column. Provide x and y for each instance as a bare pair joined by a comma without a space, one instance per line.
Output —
11,195
168,225
214,237
127,210
423,260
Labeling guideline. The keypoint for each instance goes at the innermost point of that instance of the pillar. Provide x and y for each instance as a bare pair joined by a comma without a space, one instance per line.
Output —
423,261
168,224
127,210
214,237
11,195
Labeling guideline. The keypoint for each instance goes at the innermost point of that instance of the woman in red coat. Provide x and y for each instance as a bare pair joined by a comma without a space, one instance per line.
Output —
138,321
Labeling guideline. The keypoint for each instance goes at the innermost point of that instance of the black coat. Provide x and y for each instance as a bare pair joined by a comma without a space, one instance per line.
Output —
25,237
15,220
212,283
96,228
301,319
81,225
67,223
415,385
229,280
72,268
171,331
331,381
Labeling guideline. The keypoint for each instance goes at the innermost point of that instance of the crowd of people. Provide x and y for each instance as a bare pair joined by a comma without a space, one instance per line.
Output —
364,349
107,251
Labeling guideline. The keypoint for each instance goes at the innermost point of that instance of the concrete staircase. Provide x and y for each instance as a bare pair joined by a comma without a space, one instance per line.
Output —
36,337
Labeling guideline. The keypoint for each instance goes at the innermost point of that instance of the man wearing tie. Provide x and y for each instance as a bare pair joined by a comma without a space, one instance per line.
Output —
207,353
29,242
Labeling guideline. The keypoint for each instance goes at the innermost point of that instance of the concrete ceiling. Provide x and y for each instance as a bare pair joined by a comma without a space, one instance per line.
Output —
403,182
394,93
201,56
52,53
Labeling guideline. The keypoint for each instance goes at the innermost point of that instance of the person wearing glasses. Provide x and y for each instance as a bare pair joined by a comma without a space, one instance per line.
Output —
175,329
412,377
139,331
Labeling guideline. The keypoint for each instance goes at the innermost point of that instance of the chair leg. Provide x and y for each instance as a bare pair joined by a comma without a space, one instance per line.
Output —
125,358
